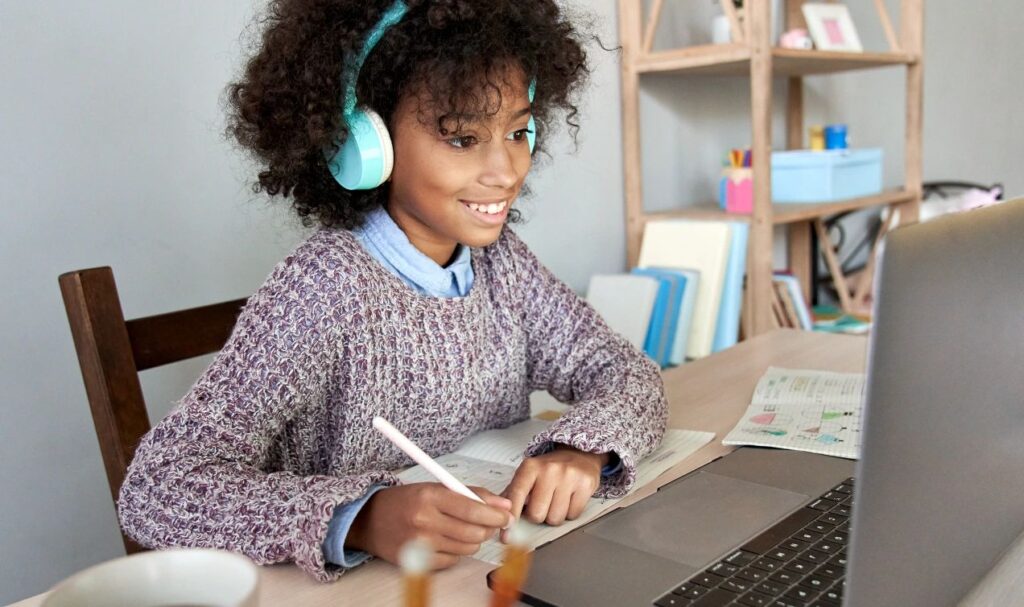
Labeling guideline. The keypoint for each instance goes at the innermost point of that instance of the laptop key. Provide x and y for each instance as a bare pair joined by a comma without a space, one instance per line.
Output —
723,569
735,585
814,556
785,578
835,496
843,488
828,570
770,588
808,536
842,510
815,582
801,594
820,527
795,545
821,504
800,568
708,580
826,546
781,554
671,600
751,574
715,598
740,558
755,599
767,564
837,536
690,591
832,518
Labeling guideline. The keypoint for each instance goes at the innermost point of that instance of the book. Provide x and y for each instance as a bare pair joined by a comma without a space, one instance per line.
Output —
727,327
625,303
696,245
665,318
678,354
489,459
796,298
788,308
804,410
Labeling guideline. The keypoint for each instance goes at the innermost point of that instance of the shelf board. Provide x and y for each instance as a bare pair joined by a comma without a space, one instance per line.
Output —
783,213
734,60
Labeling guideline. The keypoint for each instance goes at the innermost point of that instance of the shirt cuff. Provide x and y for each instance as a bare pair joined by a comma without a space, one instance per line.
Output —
613,467
337,531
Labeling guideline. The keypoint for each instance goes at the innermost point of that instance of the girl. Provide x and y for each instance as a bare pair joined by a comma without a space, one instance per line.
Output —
414,300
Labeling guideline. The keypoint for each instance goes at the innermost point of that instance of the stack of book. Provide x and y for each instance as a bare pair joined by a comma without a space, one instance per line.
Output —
683,299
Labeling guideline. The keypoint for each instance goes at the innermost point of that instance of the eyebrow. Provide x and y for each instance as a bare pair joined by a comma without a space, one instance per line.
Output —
475,118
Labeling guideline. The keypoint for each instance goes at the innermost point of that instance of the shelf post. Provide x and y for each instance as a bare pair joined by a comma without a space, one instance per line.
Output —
759,252
631,36
912,34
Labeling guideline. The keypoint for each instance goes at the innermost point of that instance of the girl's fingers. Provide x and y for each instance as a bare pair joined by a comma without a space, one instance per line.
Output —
559,506
473,512
519,489
578,503
539,499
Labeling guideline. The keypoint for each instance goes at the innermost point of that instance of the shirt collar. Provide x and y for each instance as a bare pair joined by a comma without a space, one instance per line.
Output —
383,234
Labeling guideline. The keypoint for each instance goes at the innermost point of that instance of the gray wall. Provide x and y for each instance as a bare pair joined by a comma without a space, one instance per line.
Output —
111,153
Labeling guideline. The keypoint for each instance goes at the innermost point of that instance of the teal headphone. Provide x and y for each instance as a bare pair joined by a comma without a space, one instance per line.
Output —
366,158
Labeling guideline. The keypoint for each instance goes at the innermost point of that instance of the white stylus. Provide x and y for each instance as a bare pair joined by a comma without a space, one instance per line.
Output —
421,458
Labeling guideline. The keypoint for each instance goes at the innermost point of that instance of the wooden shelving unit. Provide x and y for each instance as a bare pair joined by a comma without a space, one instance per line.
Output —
755,57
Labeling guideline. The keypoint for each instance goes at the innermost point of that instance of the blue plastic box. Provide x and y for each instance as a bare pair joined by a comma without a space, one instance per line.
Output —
826,175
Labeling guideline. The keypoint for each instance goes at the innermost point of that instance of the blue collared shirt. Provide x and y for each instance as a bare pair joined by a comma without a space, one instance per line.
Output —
388,244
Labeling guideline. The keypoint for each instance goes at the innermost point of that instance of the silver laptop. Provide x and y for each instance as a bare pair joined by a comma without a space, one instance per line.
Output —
938,489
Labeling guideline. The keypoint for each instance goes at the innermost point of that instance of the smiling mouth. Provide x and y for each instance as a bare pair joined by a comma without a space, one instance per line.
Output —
493,208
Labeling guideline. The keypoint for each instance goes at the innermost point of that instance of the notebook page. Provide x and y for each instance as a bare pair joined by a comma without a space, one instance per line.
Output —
804,410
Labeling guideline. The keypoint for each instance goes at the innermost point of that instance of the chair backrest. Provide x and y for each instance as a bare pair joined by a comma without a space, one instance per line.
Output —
112,351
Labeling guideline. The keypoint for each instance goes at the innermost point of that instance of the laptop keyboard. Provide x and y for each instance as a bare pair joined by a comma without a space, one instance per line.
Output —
798,562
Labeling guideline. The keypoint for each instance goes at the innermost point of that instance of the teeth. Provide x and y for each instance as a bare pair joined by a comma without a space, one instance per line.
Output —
491,209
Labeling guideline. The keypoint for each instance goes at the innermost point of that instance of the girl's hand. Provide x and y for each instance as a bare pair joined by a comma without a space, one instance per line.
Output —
555,486
453,524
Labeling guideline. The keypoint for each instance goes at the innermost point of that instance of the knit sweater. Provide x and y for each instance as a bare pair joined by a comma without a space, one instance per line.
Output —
277,431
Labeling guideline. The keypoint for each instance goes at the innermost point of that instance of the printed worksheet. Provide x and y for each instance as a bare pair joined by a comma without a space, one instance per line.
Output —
803,410
490,459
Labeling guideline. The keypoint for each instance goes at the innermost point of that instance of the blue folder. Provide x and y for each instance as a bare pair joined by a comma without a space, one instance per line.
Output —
661,332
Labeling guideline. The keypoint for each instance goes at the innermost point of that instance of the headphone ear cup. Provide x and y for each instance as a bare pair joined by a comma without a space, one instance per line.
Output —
531,133
367,157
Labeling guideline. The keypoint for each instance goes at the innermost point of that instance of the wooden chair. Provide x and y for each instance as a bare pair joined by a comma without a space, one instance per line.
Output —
112,351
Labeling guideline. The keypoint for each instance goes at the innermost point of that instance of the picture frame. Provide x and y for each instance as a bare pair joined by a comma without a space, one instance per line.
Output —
831,27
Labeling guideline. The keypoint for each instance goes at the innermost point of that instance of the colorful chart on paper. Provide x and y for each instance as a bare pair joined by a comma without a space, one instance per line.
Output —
815,411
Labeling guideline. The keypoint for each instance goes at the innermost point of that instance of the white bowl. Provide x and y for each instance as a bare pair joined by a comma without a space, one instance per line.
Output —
178,577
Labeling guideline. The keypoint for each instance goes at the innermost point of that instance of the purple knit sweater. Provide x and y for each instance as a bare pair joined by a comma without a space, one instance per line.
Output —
276,432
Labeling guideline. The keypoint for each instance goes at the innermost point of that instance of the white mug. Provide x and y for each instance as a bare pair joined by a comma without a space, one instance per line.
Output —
177,577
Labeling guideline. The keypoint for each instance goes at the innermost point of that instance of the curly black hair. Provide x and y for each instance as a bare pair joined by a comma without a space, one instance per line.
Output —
286,107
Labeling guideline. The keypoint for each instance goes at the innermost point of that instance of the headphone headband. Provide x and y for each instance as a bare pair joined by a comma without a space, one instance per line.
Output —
390,17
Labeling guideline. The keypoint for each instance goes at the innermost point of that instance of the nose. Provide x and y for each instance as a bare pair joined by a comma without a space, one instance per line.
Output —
500,167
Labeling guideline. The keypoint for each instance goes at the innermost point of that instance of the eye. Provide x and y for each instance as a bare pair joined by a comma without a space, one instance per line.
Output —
462,141
519,135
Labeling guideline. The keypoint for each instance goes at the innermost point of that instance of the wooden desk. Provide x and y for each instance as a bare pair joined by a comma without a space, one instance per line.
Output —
709,394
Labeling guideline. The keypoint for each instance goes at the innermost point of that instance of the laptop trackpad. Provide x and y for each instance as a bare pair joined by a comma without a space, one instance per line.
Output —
695,520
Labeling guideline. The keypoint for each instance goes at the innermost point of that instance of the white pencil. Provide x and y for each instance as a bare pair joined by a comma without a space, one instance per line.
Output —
421,458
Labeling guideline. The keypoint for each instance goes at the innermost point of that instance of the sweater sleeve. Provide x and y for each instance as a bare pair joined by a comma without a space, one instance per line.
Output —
617,393
210,475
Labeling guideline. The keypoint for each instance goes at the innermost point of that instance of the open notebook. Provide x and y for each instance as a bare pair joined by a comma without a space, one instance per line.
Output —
489,459
804,410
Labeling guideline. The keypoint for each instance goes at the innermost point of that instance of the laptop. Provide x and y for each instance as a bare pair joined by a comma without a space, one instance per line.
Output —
935,498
